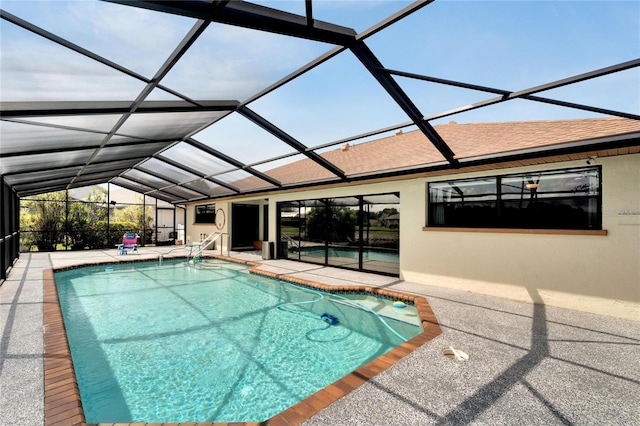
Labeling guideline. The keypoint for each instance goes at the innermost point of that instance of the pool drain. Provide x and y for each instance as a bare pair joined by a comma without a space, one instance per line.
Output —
455,354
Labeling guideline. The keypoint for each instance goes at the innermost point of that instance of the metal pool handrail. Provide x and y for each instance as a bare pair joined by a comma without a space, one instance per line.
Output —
210,239
200,246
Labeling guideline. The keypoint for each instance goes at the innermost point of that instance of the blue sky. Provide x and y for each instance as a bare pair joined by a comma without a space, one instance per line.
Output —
508,45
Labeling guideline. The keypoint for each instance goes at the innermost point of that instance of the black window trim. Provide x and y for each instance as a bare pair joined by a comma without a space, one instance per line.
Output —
498,180
197,219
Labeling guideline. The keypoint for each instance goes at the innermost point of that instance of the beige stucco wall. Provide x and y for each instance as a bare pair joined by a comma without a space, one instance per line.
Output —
593,273
196,231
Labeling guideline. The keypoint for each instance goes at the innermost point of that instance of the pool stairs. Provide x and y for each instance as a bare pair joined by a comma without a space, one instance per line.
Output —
338,299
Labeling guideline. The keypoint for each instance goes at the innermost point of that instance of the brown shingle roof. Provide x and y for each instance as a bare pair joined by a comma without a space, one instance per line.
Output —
469,140
412,149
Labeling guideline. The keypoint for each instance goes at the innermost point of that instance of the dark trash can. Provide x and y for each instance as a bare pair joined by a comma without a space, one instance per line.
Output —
283,253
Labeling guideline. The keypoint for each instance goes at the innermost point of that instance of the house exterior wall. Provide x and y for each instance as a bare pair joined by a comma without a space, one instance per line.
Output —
196,230
223,224
592,273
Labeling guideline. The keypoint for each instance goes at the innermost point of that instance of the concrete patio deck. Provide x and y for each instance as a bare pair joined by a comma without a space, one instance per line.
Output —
529,364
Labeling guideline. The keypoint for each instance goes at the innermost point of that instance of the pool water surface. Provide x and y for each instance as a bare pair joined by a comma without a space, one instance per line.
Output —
211,342
390,256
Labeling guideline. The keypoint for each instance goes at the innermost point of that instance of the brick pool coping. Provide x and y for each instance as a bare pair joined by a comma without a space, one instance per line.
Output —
63,407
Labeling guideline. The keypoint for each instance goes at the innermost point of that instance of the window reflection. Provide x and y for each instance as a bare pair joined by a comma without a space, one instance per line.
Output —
558,199
359,232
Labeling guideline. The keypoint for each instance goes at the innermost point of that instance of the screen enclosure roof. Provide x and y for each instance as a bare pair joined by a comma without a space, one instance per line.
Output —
195,100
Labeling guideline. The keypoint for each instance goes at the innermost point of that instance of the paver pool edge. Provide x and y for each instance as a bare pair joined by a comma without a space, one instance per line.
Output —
63,405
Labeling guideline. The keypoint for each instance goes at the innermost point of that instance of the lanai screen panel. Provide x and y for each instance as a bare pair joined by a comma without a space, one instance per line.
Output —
243,140
204,186
193,158
27,137
238,97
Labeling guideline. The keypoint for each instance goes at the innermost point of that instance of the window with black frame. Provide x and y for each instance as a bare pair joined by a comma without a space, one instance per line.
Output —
555,199
205,213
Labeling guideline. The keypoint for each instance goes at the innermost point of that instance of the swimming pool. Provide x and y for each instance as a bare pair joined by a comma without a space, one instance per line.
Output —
380,255
181,343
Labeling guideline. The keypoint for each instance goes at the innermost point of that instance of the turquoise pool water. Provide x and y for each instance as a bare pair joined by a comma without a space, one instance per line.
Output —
212,343
367,255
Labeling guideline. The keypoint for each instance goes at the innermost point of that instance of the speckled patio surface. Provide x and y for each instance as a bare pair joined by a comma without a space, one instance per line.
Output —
528,364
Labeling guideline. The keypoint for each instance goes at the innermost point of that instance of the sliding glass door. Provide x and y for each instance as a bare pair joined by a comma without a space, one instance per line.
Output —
359,232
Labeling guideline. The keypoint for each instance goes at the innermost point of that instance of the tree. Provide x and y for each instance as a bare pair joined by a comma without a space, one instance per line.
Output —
96,204
85,218
331,223
51,219
47,212
27,237
79,226
384,214
136,214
